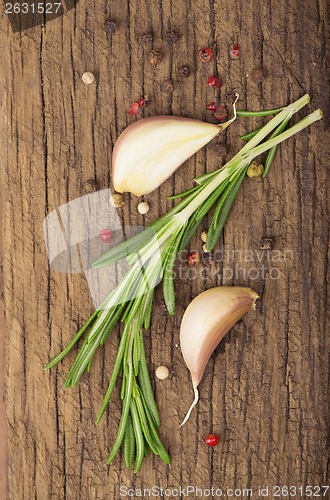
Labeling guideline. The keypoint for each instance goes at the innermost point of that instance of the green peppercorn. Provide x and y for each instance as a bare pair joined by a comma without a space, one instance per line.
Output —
255,169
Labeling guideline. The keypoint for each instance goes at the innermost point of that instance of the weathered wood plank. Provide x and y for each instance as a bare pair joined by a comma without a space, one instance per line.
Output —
3,427
264,390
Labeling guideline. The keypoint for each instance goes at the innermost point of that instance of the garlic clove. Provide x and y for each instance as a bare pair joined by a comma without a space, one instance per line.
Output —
206,321
151,149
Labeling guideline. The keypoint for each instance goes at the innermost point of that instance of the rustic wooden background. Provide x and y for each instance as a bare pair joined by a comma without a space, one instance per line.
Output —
265,390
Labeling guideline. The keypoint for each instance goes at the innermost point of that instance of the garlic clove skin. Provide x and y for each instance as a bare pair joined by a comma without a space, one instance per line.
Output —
206,321
151,149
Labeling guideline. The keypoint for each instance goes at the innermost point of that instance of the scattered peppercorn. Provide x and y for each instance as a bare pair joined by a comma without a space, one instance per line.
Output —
90,186
168,86
88,78
205,55
146,38
162,372
106,235
144,101
171,37
214,82
134,109
209,260
212,440
258,75
255,169
194,258
221,113
143,208
266,244
204,236
155,57
211,106
184,71
110,27
116,200
234,53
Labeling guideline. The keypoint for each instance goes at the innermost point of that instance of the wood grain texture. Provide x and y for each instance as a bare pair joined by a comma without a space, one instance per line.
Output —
3,426
265,390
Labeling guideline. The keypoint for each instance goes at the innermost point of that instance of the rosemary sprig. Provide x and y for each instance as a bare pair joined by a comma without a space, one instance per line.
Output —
151,255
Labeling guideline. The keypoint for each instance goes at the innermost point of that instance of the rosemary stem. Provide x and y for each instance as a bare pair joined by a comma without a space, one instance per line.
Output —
217,179
305,122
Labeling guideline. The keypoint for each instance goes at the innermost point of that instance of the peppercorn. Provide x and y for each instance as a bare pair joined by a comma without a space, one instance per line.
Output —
212,440
204,236
106,235
146,38
184,71
144,101
155,57
168,86
134,109
171,37
205,55
221,113
110,27
143,208
214,82
194,258
90,186
162,372
211,106
209,260
255,169
266,244
88,78
234,53
116,200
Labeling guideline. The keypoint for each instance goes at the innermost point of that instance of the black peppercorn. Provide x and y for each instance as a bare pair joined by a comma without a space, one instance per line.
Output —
110,27
209,260
146,38
221,113
266,244
144,101
155,57
167,86
171,37
90,186
184,71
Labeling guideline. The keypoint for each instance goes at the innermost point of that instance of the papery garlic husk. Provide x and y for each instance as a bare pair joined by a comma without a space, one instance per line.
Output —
206,321
151,149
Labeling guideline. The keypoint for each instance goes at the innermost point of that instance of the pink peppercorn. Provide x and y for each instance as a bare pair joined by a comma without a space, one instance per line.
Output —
133,111
214,81
106,235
